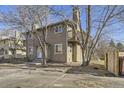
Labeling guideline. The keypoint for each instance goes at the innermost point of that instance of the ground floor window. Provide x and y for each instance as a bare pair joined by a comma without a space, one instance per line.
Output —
1,51
31,50
58,48
6,52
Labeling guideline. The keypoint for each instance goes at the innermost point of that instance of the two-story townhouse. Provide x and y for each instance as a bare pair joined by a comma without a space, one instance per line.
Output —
12,47
63,45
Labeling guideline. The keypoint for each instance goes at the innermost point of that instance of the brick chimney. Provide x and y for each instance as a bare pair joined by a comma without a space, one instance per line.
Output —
76,16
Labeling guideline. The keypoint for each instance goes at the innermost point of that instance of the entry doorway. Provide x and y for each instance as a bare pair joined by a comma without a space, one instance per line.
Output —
70,50
39,53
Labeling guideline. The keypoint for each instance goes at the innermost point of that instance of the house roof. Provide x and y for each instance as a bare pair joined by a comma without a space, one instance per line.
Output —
69,22
7,38
60,22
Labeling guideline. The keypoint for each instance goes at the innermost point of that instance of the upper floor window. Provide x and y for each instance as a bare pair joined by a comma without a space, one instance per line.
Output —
58,48
58,29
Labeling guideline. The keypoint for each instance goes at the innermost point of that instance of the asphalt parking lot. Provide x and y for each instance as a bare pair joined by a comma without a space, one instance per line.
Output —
21,76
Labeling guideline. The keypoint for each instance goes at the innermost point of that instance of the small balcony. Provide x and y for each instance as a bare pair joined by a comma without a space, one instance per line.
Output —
72,38
17,47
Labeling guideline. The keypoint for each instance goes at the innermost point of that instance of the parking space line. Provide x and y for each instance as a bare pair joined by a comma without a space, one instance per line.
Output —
56,80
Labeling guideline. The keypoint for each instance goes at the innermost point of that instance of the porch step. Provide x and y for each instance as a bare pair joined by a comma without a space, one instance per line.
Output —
37,61
34,62
74,63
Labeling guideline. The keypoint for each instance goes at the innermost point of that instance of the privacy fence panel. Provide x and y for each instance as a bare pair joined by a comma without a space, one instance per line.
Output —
112,62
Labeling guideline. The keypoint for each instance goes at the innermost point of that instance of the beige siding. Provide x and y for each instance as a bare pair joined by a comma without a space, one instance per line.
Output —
70,53
79,53
52,39
57,38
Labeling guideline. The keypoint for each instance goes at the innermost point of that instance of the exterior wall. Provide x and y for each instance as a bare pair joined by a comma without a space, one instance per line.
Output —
79,54
20,54
9,55
30,44
76,53
69,32
4,44
57,38
52,39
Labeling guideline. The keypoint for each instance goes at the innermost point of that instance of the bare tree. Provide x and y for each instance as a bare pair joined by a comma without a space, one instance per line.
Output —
29,19
98,20
102,47
98,26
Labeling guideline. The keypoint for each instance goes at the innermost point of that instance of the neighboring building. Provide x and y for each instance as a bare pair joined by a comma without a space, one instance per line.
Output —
12,46
63,46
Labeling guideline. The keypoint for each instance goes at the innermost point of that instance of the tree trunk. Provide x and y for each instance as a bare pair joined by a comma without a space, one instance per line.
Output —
45,55
27,47
84,49
86,62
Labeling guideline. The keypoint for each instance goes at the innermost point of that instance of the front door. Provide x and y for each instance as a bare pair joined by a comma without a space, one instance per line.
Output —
39,53
69,52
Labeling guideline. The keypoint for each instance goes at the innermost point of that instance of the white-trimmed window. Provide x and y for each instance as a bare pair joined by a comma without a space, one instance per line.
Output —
58,48
58,29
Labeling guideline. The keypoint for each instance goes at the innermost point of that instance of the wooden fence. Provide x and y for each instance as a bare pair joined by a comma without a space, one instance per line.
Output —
112,62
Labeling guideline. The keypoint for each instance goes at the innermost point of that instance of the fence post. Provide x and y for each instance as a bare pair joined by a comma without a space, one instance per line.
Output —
116,63
106,61
112,62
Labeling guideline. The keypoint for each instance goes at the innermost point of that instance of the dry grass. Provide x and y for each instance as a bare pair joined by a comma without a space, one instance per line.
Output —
98,62
95,68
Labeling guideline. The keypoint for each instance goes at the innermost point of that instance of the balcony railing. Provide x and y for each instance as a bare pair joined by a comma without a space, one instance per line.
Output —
17,47
72,37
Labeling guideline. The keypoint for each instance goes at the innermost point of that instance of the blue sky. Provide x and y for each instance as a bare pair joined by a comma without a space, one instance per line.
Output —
116,35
